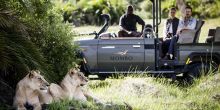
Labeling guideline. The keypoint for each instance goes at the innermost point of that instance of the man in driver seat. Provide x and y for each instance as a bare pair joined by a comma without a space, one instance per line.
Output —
128,23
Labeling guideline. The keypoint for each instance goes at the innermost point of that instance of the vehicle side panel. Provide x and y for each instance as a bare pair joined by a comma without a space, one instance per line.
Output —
89,49
149,50
121,55
186,50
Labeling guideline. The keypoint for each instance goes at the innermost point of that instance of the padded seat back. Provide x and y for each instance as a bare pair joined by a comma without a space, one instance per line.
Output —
217,34
211,36
199,25
191,36
186,36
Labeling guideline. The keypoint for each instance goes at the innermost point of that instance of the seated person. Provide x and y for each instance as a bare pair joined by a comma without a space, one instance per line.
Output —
187,23
128,23
170,29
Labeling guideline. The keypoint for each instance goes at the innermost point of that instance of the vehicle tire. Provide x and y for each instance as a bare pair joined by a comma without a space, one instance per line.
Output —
195,71
102,77
84,69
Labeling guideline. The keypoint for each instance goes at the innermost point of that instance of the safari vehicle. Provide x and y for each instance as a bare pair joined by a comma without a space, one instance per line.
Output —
106,55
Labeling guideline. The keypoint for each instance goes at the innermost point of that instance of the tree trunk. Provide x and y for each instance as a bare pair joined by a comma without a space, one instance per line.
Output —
181,6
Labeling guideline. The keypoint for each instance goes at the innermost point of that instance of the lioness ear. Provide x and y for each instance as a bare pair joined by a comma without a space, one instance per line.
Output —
73,71
31,75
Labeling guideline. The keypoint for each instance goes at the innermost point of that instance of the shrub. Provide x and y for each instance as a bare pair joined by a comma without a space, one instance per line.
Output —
88,12
201,8
32,36
56,42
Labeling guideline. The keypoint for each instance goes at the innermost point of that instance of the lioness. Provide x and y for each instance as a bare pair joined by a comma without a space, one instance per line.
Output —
70,87
27,91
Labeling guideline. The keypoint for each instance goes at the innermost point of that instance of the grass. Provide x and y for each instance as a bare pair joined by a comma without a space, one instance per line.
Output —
148,93
209,24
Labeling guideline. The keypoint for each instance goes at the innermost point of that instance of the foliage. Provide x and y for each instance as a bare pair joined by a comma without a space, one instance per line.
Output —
77,105
17,53
201,8
56,42
148,93
136,3
33,37
146,8
166,5
88,12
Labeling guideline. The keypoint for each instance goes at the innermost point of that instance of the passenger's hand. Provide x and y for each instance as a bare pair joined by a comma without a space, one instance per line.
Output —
130,32
167,38
184,29
178,32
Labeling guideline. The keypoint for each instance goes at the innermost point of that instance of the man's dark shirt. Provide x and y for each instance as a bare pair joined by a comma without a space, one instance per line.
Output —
175,23
129,22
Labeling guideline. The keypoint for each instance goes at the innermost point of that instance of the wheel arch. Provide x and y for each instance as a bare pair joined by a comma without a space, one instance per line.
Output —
201,57
84,67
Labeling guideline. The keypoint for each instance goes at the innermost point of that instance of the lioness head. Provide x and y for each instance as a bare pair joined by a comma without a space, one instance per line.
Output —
78,77
37,81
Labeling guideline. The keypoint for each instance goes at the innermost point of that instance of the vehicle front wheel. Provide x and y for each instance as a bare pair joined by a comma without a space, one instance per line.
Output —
84,68
195,71
102,77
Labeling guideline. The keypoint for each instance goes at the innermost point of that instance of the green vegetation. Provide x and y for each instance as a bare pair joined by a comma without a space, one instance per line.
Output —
147,93
32,36
77,105
201,8
88,11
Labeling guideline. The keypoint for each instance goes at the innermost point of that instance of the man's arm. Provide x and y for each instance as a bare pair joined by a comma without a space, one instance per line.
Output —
122,28
141,22
122,24
180,27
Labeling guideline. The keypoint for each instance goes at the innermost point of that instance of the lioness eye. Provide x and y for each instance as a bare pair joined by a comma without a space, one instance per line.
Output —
39,78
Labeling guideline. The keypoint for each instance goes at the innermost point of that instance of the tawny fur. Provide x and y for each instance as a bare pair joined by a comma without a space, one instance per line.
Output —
27,91
71,88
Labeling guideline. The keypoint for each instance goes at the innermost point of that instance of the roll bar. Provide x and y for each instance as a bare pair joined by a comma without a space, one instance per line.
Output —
106,18
156,11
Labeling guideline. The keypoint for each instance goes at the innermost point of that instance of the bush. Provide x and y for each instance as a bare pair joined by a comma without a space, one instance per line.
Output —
201,8
32,36
56,43
88,12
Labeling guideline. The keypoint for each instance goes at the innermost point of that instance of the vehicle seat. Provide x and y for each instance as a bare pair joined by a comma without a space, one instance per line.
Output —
211,35
199,25
191,36
217,35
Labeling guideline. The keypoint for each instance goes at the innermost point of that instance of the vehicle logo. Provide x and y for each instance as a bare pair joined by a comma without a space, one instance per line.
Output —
122,53
121,58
